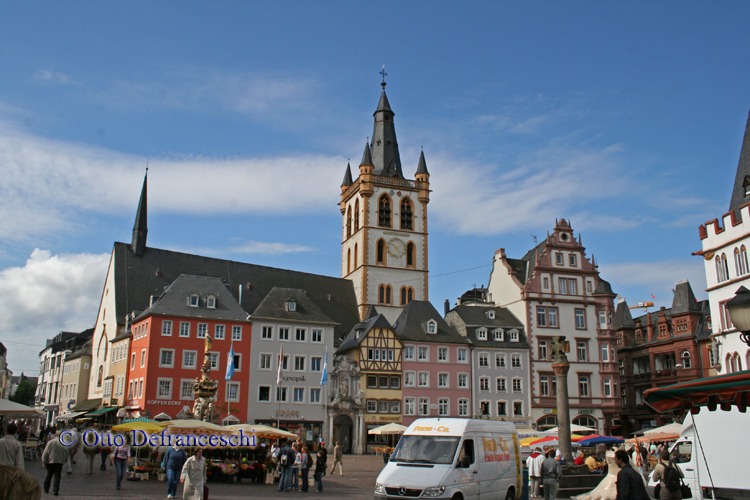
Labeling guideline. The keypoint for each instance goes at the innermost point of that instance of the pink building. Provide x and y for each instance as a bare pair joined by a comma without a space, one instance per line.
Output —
436,365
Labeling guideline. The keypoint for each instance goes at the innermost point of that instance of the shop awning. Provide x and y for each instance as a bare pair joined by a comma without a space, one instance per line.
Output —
11,409
725,391
87,405
102,411
71,415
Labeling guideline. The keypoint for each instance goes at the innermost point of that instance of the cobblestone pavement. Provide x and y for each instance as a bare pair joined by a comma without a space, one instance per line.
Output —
357,483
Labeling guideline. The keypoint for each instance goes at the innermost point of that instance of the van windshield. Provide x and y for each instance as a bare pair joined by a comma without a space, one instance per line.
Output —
426,449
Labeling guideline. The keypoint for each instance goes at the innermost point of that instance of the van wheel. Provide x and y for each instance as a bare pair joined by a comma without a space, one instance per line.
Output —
511,494
457,496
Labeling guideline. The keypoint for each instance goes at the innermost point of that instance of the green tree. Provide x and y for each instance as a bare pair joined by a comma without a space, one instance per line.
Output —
24,393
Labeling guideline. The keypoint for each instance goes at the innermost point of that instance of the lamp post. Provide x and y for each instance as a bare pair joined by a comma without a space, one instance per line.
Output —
739,313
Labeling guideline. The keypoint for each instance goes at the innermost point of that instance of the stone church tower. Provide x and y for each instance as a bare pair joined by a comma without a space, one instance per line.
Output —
384,232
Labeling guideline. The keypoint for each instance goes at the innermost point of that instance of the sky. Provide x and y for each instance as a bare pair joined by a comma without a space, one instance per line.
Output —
625,118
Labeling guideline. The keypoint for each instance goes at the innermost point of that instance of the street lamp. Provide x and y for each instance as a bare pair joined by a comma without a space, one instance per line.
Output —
739,313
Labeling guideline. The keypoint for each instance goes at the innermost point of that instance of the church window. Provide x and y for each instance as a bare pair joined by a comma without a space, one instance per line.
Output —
740,260
403,295
406,214
384,294
384,211
381,252
722,269
356,216
349,261
355,255
349,222
410,251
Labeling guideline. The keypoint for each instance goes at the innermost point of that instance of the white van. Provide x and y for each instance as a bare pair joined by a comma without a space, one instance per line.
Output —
454,458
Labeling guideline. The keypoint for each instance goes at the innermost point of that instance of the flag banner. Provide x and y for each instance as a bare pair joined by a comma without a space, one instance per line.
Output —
281,366
324,375
230,363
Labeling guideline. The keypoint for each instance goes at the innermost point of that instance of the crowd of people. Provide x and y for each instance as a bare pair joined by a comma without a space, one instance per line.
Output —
295,461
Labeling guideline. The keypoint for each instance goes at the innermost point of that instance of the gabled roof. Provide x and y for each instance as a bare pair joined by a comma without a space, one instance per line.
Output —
274,306
521,268
411,325
360,331
684,299
138,278
475,318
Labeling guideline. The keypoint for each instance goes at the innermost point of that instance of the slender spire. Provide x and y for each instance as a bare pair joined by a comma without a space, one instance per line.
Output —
385,155
140,228
366,156
422,167
347,176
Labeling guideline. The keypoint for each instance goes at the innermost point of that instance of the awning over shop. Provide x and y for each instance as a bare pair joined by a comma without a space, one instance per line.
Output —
102,411
725,391
11,409
71,415
87,405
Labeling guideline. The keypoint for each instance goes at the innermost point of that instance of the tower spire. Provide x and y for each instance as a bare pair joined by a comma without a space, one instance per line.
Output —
140,228
385,155
347,176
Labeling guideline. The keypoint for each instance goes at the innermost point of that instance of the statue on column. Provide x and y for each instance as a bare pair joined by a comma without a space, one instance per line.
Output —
204,388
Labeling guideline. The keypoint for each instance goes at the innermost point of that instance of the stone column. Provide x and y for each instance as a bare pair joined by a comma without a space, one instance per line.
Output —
563,409
358,426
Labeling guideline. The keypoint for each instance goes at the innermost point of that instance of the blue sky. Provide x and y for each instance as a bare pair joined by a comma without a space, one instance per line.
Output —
624,117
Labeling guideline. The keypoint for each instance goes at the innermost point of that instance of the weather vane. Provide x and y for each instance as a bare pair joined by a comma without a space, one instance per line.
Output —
384,74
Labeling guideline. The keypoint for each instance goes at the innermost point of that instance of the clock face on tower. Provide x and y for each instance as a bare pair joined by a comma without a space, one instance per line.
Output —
396,247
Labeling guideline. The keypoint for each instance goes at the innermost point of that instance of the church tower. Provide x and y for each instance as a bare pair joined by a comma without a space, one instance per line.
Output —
384,233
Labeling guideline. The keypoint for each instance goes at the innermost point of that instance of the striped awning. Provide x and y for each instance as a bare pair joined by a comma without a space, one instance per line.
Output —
723,391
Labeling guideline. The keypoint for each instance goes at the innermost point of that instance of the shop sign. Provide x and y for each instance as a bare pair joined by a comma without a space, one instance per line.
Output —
287,413
588,411
294,379
550,410
164,402
388,418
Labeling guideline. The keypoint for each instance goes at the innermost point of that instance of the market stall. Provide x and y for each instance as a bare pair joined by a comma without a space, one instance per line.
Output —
723,391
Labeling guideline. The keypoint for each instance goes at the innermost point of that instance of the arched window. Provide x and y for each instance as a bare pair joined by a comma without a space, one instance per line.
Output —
585,421
686,361
381,298
410,251
728,362
743,260
403,295
546,423
349,222
356,252
384,294
407,215
725,266
722,269
381,252
384,211
409,295
388,292
737,362
356,215
349,261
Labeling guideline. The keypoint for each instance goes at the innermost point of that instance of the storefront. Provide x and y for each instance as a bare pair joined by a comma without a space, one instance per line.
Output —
380,440
309,432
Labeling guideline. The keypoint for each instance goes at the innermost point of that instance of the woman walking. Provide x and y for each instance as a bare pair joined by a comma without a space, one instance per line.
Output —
320,469
121,456
194,477
305,465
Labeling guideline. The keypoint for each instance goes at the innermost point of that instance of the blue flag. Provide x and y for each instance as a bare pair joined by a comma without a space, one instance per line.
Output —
230,363
324,375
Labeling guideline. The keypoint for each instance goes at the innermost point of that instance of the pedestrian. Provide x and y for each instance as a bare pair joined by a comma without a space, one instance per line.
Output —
73,451
296,466
174,460
551,475
11,451
629,482
320,469
194,476
346,444
53,458
90,451
17,484
534,464
104,451
638,460
121,456
559,457
669,487
305,464
286,460
338,455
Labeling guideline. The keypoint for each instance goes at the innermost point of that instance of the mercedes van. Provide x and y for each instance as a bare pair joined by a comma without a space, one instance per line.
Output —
454,458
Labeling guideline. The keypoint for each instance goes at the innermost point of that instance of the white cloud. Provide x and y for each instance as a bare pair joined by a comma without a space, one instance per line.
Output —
51,77
268,248
49,294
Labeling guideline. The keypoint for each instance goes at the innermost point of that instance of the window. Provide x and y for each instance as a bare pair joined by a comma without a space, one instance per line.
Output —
442,380
544,386
384,211
202,330
580,319
264,394
514,335
481,334
499,335
395,382
605,353
236,361
542,349
583,386
411,250
443,407
559,259
143,358
515,361
383,382
562,286
502,408
442,354
291,305
423,353
265,362
607,388
284,333
299,363
381,252
686,363
517,409
267,333
572,287
423,379
500,384
384,294
372,406
166,328
189,359
299,335
233,391
317,336
315,395
409,352
409,406
164,390
431,327
406,214
193,300
214,358
517,389
349,222
572,259
315,363
499,360
463,380
299,395
424,406
462,355
722,269
140,388
484,360
582,351
281,394
184,329
132,361
356,215
740,260
484,384
463,407
211,302
546,317
382,406
545,283
395,406
219,331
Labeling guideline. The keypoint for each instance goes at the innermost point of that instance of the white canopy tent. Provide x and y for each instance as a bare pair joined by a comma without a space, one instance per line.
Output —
578,429
667,429
9,408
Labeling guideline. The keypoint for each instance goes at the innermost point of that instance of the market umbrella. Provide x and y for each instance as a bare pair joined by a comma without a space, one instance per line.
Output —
579,429
161,417
193,426
11,409
669,428
388,429
528,433
598,439
659,436
147,427
552,441
260,431
725,390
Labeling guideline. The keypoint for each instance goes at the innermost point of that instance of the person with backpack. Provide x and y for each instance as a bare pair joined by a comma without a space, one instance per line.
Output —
286,460
669,476
174,460
305,465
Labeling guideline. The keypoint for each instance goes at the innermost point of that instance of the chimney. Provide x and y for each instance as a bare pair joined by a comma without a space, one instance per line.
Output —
446,307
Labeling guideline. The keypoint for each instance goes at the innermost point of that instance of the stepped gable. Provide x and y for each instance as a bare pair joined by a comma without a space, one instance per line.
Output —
138,278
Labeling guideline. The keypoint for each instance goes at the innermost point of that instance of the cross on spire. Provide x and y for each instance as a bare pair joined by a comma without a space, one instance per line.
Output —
384,74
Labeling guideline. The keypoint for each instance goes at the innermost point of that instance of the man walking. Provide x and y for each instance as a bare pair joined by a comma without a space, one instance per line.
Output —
338,455
54,456
629,482
11,451
551,475
534,464
173,461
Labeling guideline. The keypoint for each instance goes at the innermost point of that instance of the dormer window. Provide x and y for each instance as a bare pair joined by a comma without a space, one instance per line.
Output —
490,314
193,300
211,302
514,335
291,305
432,326
499,335
746,185
481,334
